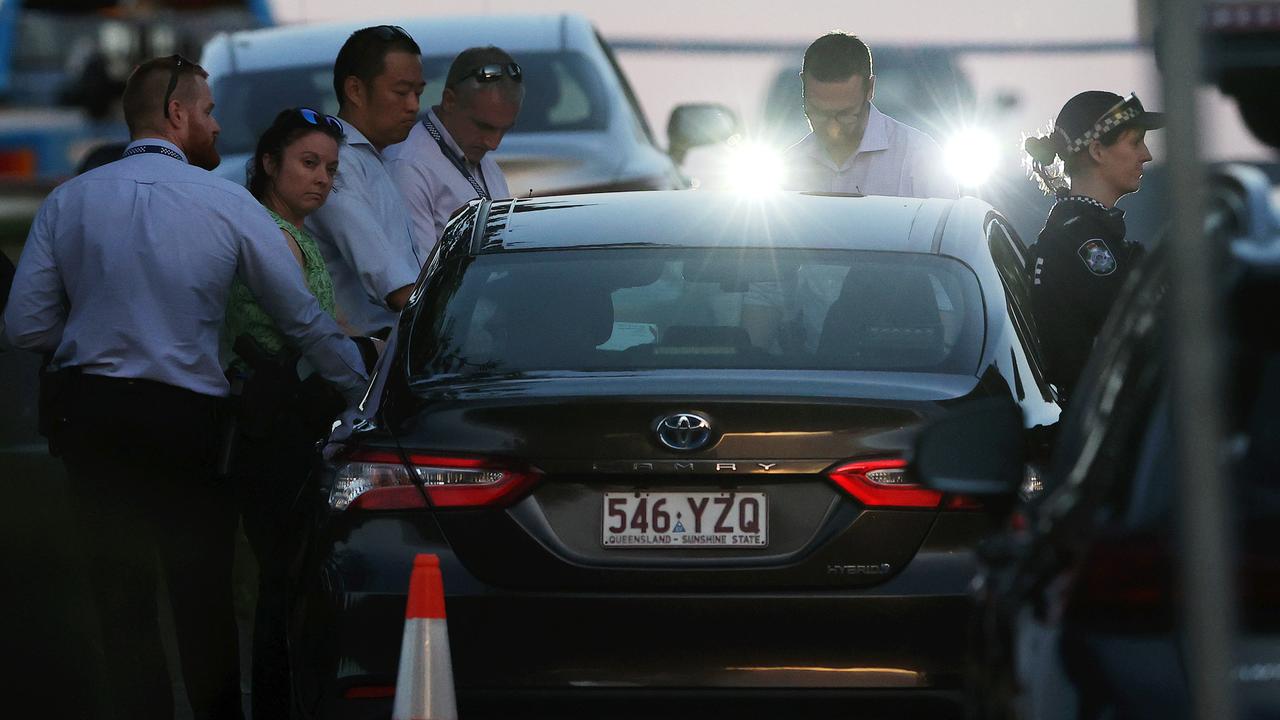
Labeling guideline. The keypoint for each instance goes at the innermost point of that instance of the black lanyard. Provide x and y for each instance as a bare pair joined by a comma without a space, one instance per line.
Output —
453,158
158,149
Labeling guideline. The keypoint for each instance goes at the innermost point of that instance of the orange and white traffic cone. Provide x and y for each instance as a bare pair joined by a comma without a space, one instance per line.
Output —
424,683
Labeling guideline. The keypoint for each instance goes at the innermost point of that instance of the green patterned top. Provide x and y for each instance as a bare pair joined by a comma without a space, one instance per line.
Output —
246,317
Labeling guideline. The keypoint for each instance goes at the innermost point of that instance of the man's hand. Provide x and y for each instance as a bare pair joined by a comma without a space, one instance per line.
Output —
397,299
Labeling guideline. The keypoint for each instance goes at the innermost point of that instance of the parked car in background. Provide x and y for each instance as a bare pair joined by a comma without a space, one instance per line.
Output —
638,491
580,130
1079,597
63,66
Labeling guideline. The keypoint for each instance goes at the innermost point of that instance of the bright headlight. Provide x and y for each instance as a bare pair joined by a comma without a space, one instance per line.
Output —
753,168
971,155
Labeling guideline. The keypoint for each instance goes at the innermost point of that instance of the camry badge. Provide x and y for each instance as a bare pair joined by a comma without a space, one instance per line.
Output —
684,431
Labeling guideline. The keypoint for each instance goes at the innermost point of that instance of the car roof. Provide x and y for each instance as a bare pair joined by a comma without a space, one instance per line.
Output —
696,218
317,44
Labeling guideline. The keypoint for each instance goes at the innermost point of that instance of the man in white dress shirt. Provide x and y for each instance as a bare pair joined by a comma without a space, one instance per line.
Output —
445,162
853,147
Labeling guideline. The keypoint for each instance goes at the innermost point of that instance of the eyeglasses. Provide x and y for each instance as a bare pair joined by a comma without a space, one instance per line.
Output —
845,118
493,72
316,118
174,73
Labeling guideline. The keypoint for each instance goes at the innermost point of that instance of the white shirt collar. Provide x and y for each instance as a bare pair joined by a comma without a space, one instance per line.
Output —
874,138
355,137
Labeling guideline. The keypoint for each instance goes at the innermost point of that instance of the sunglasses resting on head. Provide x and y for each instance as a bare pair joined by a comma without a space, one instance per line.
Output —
493,72
316,118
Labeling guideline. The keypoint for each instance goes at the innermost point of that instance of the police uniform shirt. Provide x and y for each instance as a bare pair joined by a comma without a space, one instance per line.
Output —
127,270
1078,265
892,158
363,234
432,185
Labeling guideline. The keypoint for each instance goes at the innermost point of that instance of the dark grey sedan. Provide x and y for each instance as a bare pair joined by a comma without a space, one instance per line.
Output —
658,441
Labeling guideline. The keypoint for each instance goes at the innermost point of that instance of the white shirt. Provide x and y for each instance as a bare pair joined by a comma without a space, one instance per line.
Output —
363,234
893,159
432,186
127,270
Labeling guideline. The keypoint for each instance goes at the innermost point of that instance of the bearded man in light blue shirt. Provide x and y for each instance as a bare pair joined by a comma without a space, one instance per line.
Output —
124,280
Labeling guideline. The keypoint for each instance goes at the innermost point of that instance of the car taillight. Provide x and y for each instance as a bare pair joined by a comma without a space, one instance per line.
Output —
369,692
1130,581
1125,580
379,480
20,163
883,483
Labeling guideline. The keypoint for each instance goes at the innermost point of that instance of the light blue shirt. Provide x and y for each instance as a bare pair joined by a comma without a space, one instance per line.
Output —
432,186
127,270
363,234
893,159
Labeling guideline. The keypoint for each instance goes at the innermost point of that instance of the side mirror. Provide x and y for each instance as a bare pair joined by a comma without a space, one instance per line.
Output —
697,124
977,449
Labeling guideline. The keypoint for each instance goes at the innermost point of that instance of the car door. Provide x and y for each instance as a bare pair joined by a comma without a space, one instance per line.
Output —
1037,398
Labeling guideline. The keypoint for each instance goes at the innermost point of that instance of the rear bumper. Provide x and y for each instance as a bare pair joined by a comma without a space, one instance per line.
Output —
670,641
626,704
902,641
545,654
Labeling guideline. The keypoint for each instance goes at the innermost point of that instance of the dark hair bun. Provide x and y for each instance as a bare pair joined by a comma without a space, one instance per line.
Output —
1041,149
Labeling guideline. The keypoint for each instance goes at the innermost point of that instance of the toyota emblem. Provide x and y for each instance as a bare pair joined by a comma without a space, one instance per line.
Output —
684,431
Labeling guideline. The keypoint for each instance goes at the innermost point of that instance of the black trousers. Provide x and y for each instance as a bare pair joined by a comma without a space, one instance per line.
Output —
280,421
272,472
145,500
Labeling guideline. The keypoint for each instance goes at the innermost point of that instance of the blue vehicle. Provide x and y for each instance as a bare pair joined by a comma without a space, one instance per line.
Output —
63,64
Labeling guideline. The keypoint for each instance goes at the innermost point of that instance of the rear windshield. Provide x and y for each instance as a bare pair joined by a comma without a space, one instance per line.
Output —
651,308
563,92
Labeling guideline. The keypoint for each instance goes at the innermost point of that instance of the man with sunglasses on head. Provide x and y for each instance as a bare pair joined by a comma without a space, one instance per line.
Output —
853,147
125,279
363,230
445,162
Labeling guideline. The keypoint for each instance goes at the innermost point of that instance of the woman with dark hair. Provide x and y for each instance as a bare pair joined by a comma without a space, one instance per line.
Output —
279,416
1090,157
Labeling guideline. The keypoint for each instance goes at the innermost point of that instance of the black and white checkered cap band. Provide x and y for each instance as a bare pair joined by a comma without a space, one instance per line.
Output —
1126,111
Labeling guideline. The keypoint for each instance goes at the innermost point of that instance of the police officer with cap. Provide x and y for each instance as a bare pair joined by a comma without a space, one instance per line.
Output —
1091,157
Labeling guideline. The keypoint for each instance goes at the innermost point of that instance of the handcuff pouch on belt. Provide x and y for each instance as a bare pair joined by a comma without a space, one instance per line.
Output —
56,388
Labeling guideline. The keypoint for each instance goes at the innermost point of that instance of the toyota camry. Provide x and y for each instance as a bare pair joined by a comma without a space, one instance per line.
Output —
658,441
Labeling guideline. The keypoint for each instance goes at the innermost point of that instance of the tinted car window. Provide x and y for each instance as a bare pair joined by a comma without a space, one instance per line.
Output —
594,309
563,92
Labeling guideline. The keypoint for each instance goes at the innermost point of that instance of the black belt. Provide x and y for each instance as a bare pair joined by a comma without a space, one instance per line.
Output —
89,383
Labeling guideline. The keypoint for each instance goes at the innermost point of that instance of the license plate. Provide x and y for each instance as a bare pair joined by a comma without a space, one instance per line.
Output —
686,519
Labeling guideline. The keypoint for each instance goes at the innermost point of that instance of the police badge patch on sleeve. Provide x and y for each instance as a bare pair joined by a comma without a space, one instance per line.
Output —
1097,257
